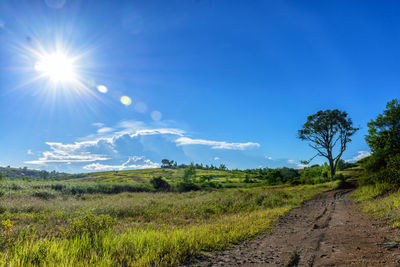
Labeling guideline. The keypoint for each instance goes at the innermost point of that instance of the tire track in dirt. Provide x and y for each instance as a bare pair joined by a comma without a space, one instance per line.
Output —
328,230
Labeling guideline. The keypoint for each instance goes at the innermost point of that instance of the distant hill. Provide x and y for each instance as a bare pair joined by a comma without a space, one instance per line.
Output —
25,173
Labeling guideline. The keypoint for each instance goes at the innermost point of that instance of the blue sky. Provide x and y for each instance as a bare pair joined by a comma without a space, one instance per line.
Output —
209,81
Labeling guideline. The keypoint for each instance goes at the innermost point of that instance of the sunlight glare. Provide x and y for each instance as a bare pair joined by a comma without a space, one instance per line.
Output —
58,67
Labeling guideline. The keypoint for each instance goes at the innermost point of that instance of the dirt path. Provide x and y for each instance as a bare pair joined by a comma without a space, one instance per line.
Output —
328,230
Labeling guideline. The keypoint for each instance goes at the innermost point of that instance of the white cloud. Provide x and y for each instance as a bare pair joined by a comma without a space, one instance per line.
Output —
29,152
123,139
64,153
291,161
216,144
134,162
268,157
361,155
105,130
80,151
301,166
98,124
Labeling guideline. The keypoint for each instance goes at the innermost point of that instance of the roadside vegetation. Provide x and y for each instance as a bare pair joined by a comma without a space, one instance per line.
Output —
380,182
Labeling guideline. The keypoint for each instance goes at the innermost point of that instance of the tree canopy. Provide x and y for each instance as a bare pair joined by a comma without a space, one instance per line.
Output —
326,129
384,132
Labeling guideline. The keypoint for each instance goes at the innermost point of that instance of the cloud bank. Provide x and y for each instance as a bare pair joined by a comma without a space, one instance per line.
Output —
133,162
107,147
182,141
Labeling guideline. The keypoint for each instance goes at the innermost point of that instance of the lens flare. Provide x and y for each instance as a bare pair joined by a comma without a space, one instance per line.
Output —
102,89
156,115
126,100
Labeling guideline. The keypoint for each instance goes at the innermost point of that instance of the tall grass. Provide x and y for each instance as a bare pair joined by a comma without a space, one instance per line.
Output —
135,229
380,201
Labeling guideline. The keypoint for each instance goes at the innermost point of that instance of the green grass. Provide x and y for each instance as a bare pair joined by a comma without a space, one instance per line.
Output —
42,224
171,175
380,201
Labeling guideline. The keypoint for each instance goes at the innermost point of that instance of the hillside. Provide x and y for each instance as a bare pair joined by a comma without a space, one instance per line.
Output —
171,175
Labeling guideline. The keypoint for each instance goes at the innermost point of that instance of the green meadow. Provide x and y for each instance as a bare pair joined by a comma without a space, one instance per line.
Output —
115,218
171,175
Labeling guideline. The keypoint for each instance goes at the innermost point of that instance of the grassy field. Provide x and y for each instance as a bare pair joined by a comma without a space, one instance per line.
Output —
171,175
89,223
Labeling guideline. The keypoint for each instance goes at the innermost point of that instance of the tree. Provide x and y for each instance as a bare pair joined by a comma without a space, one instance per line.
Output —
189,173
324,130
222,167
159,183
384,132
166,163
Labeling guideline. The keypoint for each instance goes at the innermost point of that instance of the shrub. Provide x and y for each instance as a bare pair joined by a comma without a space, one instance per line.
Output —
189,173
391,174
160,184
247,179
340,177
43,195
208,185
374,163
379,170
187,186
58,187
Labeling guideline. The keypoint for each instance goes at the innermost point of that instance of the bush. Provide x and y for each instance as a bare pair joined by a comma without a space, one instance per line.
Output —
374,163
43,195
209,185
189,173
160,184
247,179
377,170
391,174
187,186
340,177
314,175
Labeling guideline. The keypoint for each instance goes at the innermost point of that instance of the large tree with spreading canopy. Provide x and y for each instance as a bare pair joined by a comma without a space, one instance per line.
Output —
328,132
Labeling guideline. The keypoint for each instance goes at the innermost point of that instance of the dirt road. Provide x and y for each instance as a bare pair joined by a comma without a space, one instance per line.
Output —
328,230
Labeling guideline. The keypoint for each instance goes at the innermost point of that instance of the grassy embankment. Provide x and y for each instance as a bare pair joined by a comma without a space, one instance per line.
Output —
56,223
378,199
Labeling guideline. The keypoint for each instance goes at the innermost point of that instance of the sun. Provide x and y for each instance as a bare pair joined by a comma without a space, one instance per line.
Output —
57,67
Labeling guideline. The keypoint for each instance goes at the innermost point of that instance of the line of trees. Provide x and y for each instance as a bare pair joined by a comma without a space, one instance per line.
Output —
171,164
25,173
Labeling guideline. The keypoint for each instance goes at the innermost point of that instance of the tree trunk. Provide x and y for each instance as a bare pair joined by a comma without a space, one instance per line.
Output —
332,167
